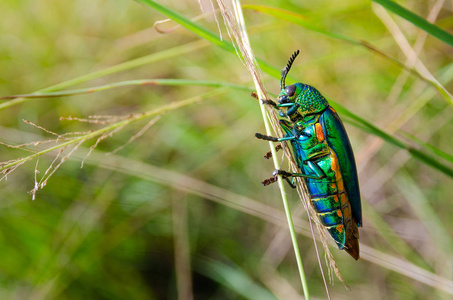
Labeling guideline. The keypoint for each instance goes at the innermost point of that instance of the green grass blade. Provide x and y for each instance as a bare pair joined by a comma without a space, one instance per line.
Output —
165,54
206,34
417,21
162,55
144,82
202,32
298,19
431,161
302,21
233,278
448,157
371,128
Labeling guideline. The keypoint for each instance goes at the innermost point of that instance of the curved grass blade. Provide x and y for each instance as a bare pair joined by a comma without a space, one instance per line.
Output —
435,150
298,19
418,21
370,128
165,54
206,34
302,21
234,278
171,82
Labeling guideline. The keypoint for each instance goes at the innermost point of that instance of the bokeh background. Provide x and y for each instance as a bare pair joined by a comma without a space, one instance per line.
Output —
179,212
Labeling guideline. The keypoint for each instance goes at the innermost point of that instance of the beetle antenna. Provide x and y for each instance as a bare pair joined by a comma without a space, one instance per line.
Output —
287,68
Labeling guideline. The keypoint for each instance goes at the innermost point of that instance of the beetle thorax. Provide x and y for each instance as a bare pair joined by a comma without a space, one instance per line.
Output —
298,100
310,101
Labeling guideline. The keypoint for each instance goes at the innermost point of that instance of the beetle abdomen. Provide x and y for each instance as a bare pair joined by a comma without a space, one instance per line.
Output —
328,195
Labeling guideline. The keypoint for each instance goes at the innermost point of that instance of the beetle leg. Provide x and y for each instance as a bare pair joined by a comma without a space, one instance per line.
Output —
290,183
285,124
275,179
264,101
269,154
288,174
285,175
293,109
316,169
265,137
269,181
269,102
289,127
273,139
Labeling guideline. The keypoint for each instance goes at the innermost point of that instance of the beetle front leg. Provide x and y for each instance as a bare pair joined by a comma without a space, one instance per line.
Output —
272,138
269,102
264,101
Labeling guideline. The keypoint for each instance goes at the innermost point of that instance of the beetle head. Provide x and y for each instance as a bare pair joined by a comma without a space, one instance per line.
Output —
299,98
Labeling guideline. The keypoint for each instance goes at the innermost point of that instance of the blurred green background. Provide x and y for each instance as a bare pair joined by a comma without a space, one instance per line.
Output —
179,212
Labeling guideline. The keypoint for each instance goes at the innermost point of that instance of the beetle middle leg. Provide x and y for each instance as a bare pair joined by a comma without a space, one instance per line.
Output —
269,154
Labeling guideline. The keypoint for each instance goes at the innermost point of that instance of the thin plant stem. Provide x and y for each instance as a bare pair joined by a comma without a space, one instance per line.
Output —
236,27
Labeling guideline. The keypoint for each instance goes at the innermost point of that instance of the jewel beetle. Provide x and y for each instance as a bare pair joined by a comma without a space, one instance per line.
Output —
323,154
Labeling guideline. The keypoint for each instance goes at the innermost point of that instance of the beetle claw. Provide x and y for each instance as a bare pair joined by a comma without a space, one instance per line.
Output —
269,154
269,181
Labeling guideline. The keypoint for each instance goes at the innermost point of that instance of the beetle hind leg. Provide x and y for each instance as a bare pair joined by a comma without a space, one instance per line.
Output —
269,181
285,175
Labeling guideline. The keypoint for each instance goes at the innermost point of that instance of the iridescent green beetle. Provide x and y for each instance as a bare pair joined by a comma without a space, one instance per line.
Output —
323,153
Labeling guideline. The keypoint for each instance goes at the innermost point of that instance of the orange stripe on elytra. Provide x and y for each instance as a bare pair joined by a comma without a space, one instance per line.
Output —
336,168
319,132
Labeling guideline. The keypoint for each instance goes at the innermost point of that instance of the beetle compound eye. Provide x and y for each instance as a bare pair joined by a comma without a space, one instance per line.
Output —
290,90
